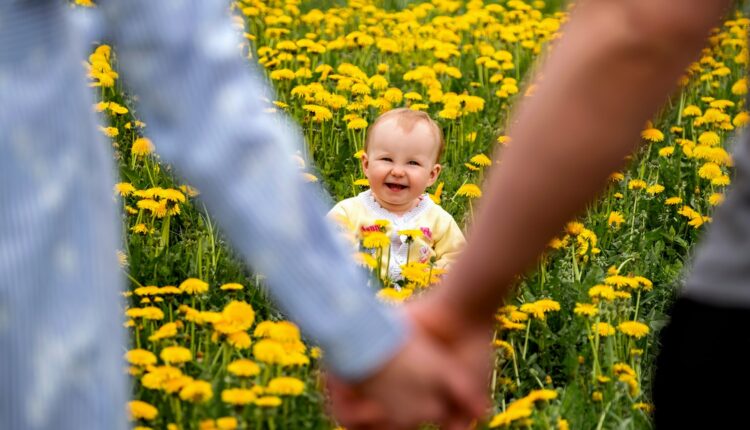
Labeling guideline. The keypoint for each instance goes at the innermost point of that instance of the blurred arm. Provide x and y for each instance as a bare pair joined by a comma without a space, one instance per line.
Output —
204,106
615,65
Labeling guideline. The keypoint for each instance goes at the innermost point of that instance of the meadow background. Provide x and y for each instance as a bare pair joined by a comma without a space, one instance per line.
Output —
575,349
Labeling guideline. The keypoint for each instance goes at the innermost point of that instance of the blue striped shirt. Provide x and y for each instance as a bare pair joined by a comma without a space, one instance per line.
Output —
61,342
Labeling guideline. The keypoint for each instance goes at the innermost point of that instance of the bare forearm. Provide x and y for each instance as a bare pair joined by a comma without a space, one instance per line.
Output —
614,66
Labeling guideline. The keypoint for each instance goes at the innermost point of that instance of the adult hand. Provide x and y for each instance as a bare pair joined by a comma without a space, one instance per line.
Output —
424,382
468,341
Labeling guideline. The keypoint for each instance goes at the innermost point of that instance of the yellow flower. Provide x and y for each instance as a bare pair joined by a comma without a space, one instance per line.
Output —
586,309
722,180
282,74
364,182
285,385
231,286
575,228
691,110
124,188
715,199
239,340
142,146
602,292
637,184
449,113
671,201
237,316
268,351
391,295
141,410
164,332
376,239
357,124
506,347
117,109
710,138
709,171
176,354
226,423
634,329
243,368
504,419
597,396
615,218
652,134
469,190
197,392
140,357
645,407
481,160
110,131
604,329
320,113
193,286
238,396
366,260
267,402
655,189
435,197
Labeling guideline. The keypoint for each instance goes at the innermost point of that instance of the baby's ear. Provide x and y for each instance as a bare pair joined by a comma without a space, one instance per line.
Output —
365,162
436,169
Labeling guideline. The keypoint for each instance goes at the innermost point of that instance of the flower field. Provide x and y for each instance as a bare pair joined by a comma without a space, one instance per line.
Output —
575,349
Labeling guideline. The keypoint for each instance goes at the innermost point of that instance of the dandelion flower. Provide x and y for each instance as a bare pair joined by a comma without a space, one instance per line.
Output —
197,392
231,286
285,385
716,199
637,184
469,190
124,188
709,171
140,357
138,409
585,309
238,396
615,218
176,354
193,286
652,135
142,146
634,329
481,160
226,423
604,329
710,138
691,110
268,351
267,402
655,189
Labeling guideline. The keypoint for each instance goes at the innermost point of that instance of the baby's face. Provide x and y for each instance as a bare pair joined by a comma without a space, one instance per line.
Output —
400,165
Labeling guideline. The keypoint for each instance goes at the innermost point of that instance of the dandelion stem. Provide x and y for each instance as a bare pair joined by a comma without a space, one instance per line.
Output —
526,340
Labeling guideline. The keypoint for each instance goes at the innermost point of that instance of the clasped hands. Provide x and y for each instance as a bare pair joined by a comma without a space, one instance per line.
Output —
440,376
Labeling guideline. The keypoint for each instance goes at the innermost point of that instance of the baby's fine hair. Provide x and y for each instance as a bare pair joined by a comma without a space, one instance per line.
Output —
406,119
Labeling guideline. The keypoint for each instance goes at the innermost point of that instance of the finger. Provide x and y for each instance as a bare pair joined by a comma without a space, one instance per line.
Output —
350,406
466,393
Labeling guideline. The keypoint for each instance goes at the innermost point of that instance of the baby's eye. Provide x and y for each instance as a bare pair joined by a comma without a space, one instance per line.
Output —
414,163
386,159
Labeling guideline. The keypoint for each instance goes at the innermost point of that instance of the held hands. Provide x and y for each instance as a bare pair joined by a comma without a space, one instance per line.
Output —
440,376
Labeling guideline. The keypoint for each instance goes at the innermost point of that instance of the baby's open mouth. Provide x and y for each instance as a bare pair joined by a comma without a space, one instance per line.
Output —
395,187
